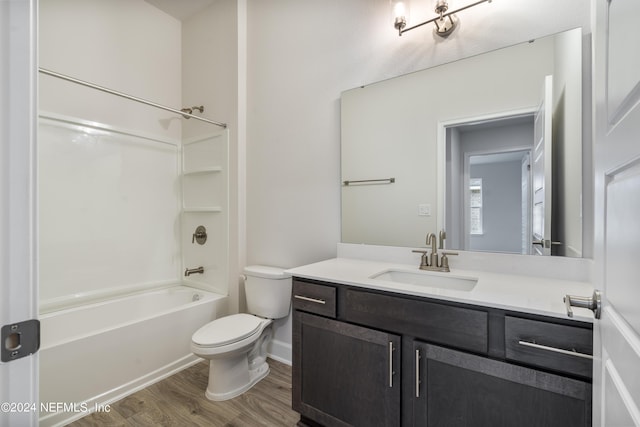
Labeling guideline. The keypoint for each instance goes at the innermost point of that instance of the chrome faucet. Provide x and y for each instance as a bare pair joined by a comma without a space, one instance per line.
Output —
433,259
189,271
432,263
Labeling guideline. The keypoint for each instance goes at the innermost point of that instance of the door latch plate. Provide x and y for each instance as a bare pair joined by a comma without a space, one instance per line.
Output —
19,340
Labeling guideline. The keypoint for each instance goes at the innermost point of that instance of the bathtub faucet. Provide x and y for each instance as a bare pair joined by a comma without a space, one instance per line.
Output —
189,271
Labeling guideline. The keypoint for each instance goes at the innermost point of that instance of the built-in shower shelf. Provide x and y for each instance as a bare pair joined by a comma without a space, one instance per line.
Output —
203,209
203,170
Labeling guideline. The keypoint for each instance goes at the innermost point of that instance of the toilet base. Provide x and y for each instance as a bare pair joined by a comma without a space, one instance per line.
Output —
231,374
230,378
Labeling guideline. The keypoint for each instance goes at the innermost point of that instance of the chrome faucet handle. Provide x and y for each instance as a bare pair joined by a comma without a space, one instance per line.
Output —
424,261
200,235
444,262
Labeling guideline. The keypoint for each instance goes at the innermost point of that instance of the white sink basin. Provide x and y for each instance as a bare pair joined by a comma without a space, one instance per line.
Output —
429,279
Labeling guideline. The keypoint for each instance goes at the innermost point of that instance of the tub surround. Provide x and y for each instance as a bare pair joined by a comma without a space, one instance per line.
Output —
512,290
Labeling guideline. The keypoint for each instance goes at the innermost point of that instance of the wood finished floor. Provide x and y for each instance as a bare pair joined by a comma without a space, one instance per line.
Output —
179,401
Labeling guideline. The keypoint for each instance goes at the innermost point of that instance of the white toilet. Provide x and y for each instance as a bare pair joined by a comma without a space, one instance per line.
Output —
236,345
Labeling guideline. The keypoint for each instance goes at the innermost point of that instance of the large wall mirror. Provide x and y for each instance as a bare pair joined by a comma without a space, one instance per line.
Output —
488,148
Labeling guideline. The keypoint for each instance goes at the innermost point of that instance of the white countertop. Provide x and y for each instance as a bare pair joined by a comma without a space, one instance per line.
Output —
529,294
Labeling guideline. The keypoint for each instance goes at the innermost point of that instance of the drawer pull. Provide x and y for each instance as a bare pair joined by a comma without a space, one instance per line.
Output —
554,349
317,301
417,373
391,349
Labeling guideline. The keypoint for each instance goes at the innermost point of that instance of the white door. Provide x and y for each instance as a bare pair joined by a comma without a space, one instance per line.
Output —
617,212
18,272
541,173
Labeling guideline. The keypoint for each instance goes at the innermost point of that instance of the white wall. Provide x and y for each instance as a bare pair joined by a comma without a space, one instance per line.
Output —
109,203
301,56
501,207
454,204
211,77
126,45
572,189
209,66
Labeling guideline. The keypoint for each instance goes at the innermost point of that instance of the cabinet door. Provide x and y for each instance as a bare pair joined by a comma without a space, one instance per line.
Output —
345,374
460,389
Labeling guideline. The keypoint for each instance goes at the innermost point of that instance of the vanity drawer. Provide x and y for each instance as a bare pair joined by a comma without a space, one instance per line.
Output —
314,298
547,345
455,326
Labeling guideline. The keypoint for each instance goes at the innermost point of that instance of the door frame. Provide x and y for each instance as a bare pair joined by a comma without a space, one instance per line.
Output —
18,190
543,147
441,172
465,224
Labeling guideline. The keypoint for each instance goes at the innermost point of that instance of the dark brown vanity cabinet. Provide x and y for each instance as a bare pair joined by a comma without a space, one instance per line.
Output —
351,374
369,358
461,389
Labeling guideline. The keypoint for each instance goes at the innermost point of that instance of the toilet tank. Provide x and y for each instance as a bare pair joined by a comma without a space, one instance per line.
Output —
268,291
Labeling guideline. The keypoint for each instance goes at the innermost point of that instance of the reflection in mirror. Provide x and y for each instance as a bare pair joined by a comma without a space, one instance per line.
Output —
489,185
454,136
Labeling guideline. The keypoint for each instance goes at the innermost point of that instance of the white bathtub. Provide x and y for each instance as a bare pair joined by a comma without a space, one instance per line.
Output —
98,353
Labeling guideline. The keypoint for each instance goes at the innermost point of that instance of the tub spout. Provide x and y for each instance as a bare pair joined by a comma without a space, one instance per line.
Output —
189,271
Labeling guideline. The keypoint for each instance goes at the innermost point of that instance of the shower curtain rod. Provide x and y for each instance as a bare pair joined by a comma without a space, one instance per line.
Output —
124,95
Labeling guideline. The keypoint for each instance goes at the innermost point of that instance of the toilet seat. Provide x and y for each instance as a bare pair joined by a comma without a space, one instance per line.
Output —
227,330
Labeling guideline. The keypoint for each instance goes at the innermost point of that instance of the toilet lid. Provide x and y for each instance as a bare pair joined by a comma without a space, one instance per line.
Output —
227,330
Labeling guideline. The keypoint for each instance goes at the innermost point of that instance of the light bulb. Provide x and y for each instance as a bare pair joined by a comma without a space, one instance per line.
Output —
400,12
399,9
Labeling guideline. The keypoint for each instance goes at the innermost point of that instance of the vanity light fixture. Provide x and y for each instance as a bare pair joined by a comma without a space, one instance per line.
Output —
445,21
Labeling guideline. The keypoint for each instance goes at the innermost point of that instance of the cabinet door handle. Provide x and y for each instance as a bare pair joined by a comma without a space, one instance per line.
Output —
391,364
417,373
555,350
317,301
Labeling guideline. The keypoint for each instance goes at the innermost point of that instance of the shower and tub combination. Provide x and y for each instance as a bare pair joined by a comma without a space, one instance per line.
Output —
133,252
96,353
